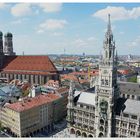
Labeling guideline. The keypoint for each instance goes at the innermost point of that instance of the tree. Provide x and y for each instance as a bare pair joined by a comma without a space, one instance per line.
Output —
133,79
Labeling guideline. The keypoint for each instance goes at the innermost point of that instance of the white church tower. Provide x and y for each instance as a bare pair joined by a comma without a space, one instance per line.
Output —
106,90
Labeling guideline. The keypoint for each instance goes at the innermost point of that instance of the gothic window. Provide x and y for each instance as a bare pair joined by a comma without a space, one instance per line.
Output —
101,121
101,135
125,115
128,96
106,82
101,128
133,96
87,107
109,40
134,117
123,95
102,81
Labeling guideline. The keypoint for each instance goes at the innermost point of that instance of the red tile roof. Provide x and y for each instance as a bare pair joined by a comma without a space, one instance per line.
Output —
32,102
69,77
28,65
62,90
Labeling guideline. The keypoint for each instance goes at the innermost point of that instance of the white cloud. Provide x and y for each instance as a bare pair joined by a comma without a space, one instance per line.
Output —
2,5
52,24
91,38
19,21
21,9
134,43
40,31
118,13
84,42
57,34
80,43
51,7
121,33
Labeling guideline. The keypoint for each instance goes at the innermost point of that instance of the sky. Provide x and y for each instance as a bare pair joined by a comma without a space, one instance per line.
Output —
51,28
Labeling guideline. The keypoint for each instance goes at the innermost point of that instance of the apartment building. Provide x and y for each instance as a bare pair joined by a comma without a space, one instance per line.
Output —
27,117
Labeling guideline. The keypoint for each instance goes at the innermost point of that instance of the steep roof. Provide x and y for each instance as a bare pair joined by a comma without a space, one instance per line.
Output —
132,107
28,64
129,88
87,98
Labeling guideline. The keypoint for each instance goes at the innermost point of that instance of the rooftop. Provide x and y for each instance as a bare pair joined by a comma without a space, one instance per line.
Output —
28,64
132,107
62,90
129,88
29,103
87,98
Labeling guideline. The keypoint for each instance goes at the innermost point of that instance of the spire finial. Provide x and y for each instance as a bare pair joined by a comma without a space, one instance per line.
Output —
109,23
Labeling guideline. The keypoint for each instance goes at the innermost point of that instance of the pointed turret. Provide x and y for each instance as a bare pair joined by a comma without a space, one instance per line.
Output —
70,103
109,45
109,24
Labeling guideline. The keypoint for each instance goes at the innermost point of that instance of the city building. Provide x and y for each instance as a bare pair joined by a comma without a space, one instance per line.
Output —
35,69
30,115
13,91
104,110
42,107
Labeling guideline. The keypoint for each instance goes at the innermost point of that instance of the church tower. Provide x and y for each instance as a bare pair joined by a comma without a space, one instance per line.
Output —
1,49
107,89
8,44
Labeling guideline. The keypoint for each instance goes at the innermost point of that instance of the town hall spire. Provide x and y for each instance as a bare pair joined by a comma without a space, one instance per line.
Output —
107,88
109,24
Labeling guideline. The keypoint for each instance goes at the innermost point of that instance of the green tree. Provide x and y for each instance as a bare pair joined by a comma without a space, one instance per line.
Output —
133,79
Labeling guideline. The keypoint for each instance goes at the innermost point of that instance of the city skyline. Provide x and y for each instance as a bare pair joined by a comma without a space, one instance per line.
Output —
44,28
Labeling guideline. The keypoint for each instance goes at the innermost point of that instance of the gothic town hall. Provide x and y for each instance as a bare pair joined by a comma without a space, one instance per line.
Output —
102,111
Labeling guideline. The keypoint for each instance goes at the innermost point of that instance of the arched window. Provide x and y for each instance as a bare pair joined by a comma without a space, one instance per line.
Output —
72,131
90,136
78,133
101,121
84,134
101,134
101,128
